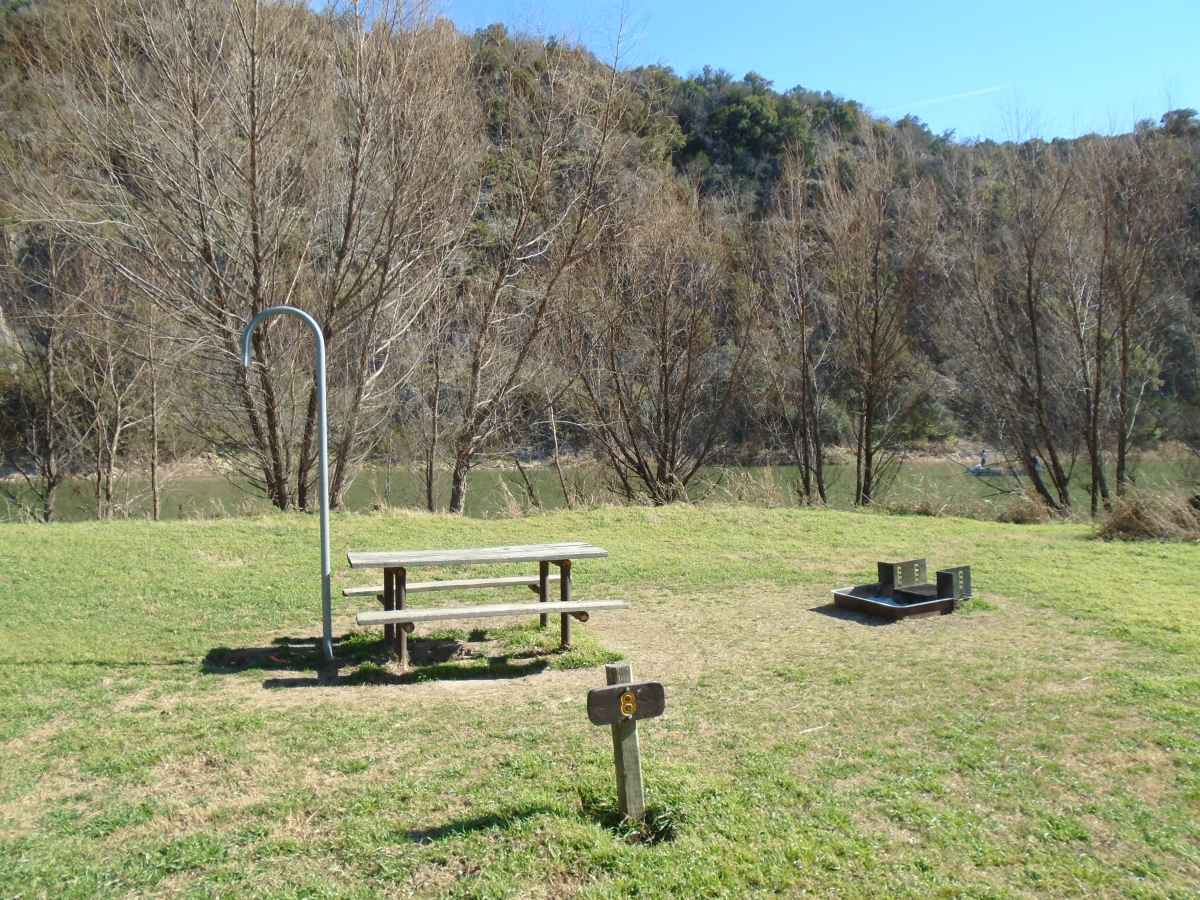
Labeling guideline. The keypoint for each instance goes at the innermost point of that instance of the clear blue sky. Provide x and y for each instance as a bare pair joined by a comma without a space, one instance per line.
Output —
1051,67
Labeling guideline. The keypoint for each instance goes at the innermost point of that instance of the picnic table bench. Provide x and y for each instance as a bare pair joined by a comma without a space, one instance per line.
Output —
399,620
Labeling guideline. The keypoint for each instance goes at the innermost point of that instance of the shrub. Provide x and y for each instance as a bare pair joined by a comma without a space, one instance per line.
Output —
1151,517
920,506
1025,509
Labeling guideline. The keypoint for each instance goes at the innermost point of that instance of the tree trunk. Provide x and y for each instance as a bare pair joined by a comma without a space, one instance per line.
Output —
562,481
110,475
1035,477
1124,425
530,491
50,454
858,459
281,494
458,481
98,466
867,488
305,461
155,491
434,429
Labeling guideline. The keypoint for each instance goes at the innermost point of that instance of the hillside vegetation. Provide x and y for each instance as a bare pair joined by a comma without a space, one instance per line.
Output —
516,249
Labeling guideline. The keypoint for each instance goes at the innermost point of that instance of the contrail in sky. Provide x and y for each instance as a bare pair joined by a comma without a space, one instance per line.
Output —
934,101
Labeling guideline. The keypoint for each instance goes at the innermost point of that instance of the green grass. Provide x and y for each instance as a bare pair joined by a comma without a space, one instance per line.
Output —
163,732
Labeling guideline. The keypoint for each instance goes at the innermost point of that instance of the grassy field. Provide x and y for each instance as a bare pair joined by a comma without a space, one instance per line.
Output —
162,732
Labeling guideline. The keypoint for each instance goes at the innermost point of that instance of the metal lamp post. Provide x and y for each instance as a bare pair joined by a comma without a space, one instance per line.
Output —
323,426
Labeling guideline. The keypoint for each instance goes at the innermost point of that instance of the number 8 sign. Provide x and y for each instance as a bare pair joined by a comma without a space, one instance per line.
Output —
628,705
623,702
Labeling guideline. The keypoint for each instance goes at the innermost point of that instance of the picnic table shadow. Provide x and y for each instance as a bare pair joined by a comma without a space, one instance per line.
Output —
361,662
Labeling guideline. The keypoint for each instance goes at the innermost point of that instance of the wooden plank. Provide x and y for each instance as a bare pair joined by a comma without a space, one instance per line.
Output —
438,614
472,556
371,590
417,587
627,756
604,704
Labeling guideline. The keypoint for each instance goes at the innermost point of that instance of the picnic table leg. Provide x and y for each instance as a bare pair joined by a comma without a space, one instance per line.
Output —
401,602
543,596
564,594
389,603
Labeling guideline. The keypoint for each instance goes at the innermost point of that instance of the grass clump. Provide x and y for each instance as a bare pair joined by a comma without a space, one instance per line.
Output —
1025,509
1144,516
919,506
660,825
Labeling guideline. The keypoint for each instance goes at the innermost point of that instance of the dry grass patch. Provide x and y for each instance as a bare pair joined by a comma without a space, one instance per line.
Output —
1143,516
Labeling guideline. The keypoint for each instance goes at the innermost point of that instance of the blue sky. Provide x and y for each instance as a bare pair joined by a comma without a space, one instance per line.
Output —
1014,69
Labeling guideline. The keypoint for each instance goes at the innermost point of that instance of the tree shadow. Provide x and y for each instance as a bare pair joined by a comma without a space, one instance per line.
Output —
363,660
50,663
461,827
851,615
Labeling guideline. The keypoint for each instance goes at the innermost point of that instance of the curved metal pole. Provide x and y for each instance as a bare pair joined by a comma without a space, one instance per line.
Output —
323,427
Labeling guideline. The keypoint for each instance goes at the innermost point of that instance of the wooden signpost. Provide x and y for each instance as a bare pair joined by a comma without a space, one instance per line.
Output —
620,705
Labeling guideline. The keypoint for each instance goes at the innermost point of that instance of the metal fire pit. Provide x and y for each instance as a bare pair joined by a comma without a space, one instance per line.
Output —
902,592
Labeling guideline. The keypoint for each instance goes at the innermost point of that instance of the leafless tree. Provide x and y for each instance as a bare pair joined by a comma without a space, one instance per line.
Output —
1086,248
1134,185
236,155
551,180
663,343
798,347
40,278
108,375
879,218
432,384
1010,324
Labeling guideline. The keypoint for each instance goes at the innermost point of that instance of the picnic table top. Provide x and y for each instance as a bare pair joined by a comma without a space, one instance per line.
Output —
360,559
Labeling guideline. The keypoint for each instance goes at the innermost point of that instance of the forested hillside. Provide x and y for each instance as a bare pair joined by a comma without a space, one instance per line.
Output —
518,250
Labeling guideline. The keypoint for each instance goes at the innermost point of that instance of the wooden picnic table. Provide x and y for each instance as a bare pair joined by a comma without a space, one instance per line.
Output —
395,566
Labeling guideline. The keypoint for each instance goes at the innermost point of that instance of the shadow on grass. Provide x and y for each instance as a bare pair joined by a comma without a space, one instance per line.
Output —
51,663
361,660
850,615
461,827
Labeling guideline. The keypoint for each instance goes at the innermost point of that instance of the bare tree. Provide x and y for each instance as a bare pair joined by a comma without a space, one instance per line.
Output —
663,345
880,221
1086,249
551,180
800,337
108,375
432,384
1010,323
237,155
1135,186
40,276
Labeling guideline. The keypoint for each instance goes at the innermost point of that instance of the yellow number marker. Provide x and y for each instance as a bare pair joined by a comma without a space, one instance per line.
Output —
628,703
